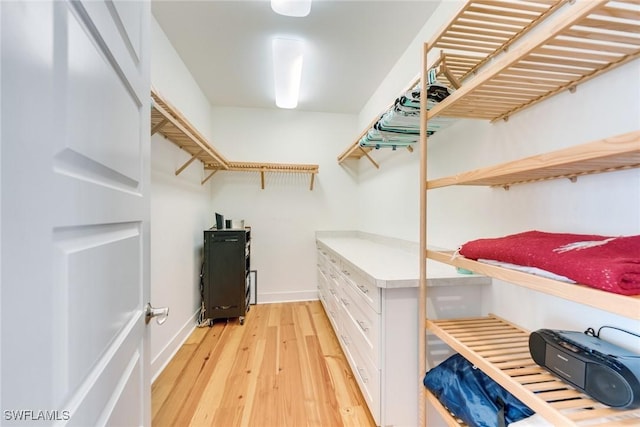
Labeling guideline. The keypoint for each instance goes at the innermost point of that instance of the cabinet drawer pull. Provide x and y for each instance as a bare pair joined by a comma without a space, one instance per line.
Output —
364,289
362,373
346,273
362,325
346,341
344,301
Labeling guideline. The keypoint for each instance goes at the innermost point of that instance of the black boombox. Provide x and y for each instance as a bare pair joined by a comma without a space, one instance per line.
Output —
604,371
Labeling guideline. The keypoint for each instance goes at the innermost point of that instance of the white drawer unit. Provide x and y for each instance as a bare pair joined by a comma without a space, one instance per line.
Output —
368,288
364,320
327,291
366,373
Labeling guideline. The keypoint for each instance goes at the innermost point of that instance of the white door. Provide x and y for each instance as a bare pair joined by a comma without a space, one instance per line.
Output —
75,213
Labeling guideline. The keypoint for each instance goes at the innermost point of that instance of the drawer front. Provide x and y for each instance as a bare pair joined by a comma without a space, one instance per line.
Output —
331,308
367,376
363,324
353,307
366,287
323,282
328,253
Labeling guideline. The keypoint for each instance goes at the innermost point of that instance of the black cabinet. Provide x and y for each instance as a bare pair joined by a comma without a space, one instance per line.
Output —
225,273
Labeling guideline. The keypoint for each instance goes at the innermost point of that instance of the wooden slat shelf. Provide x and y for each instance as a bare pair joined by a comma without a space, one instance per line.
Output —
500,349
628,306
168,121
606,155
496,75
262,168
494,78
586,38
355,151
448,417
464,38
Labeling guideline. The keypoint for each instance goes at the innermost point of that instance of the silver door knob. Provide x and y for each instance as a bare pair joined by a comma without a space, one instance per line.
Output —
160,313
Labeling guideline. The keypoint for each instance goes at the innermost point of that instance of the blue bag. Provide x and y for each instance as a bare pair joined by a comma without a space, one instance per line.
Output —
472,396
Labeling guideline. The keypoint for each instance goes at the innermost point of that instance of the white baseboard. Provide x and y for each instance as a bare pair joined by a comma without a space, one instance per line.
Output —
273,297
164,357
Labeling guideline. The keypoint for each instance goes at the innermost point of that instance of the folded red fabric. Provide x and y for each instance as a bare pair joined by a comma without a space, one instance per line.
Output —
605,262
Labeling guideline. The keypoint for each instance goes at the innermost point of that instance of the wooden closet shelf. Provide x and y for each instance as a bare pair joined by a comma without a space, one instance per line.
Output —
496,77
623,305
170,123
268,167
166,120
355,151
583,40
606,155
482,30
447,416
501,350
470,40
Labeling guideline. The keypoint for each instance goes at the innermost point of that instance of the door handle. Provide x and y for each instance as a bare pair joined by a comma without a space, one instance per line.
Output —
160,313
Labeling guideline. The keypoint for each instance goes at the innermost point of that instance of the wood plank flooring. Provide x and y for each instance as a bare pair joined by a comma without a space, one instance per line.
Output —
283,367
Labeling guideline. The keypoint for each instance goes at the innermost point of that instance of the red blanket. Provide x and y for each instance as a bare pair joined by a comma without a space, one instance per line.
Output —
604,262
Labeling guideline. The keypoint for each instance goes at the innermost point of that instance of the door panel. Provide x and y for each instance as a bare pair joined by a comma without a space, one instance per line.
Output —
90,268
94,74
101,398
75,212
129,14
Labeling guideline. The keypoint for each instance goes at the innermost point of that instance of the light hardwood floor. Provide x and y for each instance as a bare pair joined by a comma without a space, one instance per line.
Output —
283,367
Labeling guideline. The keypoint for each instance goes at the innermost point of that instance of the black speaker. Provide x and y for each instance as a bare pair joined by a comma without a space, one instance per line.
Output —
604,371
607,386
537,348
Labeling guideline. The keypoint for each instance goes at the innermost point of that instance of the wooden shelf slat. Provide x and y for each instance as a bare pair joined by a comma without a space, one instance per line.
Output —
628,306
575,30
583,409
587,38
579,41
354,150
262,168
606,155
179,131
447,416
475,41
273,167
169,122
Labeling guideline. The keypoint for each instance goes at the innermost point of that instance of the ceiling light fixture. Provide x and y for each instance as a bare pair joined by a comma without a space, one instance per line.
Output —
297,8
287,71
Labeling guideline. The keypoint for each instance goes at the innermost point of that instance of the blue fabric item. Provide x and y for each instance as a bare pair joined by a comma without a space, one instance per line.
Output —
473,396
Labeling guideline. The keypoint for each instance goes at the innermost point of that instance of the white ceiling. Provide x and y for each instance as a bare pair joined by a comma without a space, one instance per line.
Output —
352,45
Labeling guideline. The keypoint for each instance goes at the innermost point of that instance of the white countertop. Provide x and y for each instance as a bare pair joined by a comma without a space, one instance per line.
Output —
392,263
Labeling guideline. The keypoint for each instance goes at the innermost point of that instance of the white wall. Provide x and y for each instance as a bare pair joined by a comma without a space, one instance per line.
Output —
390,195
285,215
180,207
602,204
